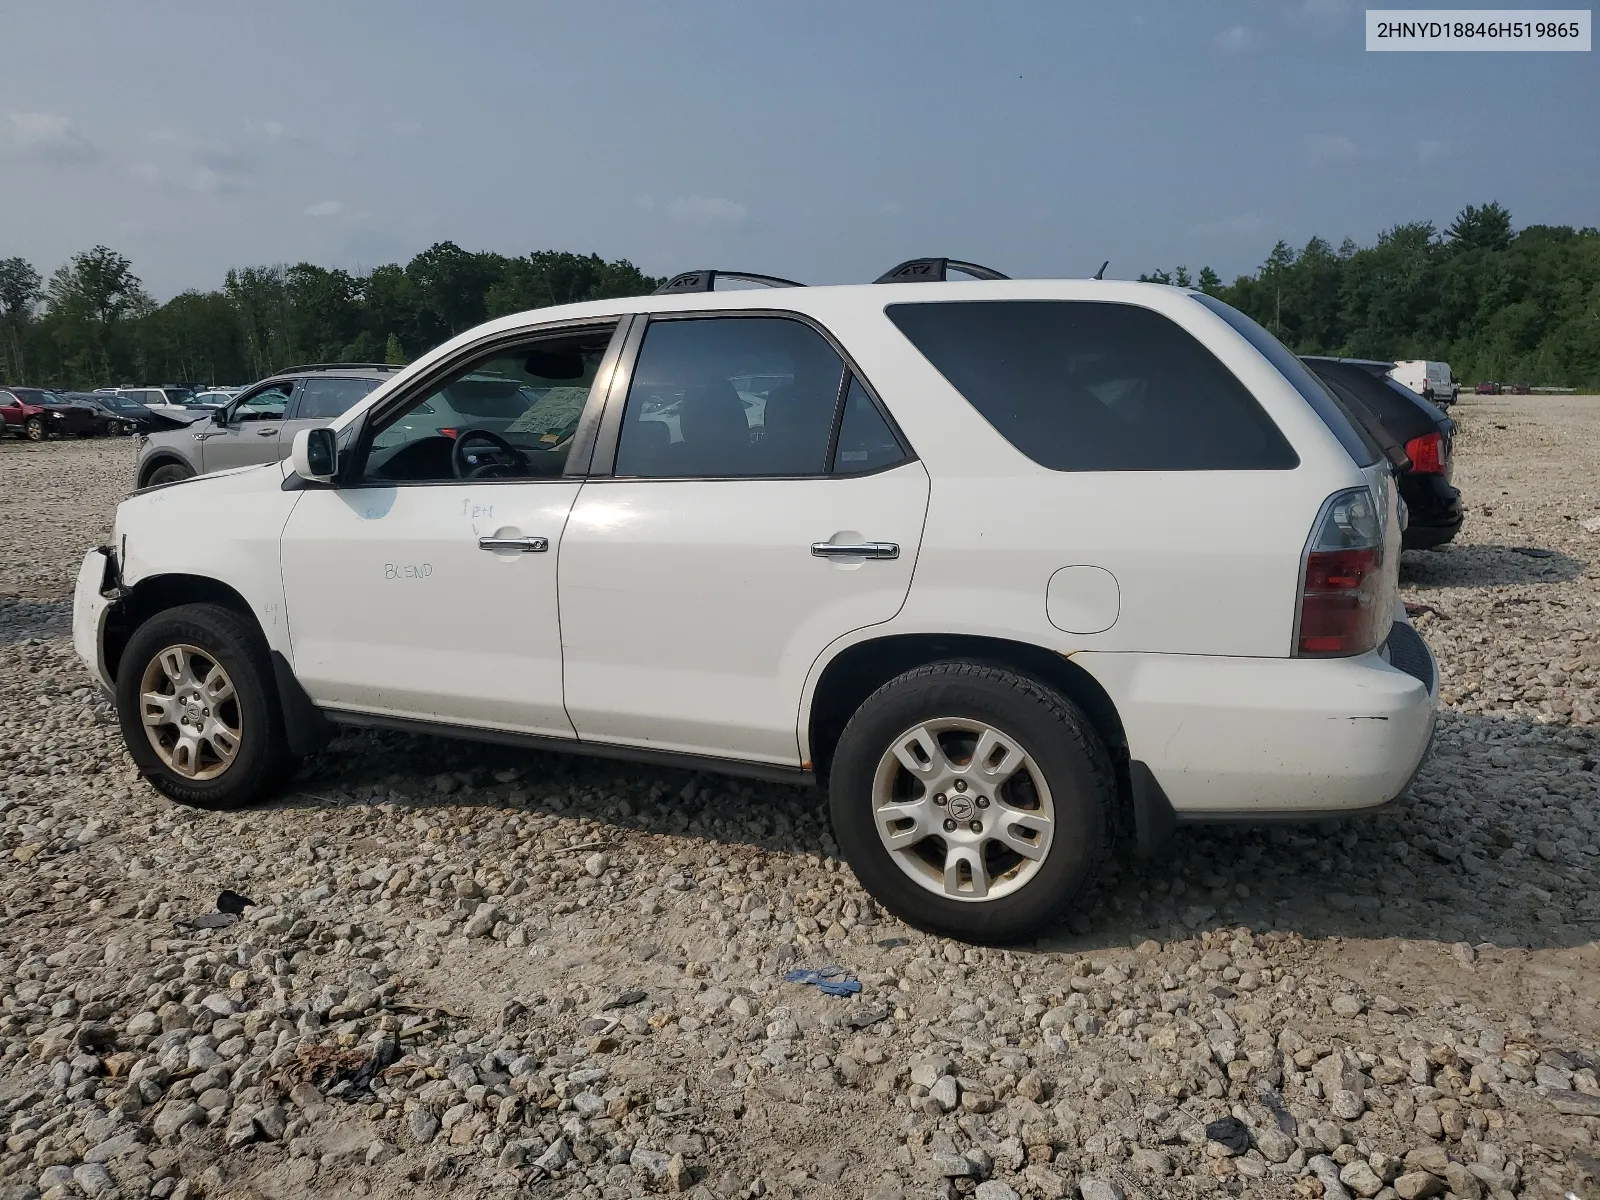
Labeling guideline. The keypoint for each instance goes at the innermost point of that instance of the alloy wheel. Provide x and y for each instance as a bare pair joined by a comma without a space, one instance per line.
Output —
190,712
963,809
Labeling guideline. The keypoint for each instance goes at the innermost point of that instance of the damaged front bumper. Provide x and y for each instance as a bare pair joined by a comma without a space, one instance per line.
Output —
97,593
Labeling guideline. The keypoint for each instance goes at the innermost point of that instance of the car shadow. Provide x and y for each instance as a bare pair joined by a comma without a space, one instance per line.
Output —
1457,565
1465,856
21,619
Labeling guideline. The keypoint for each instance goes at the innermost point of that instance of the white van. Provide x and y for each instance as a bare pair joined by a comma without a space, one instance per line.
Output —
1430,380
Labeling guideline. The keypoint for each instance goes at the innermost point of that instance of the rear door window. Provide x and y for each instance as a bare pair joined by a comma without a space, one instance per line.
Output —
322,399
730,397
1092,386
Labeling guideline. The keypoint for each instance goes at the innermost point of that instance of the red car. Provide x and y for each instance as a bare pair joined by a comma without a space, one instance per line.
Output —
36,414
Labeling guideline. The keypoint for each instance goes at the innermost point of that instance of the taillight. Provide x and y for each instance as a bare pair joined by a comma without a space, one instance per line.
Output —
1426,454
1340,592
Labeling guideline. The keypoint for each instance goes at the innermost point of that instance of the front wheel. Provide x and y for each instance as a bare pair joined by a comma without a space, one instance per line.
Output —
34,429
972,801
169,473
199,710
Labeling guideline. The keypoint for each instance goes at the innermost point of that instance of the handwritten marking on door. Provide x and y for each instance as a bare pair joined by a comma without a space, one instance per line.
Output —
407,570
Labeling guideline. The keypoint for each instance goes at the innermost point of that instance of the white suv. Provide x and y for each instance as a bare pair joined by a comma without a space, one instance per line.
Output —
1013,567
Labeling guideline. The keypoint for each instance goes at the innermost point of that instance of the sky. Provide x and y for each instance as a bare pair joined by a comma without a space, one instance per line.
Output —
818,140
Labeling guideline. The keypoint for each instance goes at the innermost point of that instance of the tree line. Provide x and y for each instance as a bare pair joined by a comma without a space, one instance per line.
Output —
1517,306
92,324
1496,303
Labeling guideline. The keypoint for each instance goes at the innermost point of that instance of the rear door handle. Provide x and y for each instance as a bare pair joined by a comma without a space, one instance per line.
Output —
516,545
864,550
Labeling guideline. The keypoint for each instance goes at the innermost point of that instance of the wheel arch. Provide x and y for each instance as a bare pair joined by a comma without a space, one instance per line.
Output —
858,670
159,459
306,727
157,593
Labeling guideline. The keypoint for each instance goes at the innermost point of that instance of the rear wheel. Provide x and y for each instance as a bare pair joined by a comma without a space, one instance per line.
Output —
972,801
199,711
169,473
34,428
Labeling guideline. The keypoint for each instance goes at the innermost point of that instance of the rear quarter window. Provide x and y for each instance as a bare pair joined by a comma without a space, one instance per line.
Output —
1091,386
1299,377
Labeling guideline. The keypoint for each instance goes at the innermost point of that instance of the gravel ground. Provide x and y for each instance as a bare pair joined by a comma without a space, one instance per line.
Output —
476,972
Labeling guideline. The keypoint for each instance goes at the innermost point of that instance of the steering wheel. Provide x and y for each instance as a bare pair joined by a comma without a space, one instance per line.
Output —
507,461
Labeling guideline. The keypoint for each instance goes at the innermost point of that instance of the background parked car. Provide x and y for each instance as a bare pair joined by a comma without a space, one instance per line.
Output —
1430,380
259,424
216,397
1487,388
109,421
36,414
173,401
1426,434
136,416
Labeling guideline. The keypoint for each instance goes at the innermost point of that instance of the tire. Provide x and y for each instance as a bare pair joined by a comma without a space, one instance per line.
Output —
951,701
209,636
33,429
169,473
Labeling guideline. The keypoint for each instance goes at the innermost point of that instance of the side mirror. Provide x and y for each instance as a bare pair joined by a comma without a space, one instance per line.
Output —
315,455
219,416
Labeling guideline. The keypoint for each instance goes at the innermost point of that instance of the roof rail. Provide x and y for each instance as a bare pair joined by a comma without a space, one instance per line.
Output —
337,367
706,281
934,270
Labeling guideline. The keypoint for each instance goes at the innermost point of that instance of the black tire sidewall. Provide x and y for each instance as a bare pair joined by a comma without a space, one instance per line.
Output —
178,474
263,759
1049,728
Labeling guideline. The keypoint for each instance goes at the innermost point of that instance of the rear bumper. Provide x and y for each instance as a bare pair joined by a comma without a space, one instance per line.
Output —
1435,511
1265,739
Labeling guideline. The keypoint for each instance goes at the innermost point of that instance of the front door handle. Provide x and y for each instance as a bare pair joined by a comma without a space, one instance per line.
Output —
864,550
273,432
516,545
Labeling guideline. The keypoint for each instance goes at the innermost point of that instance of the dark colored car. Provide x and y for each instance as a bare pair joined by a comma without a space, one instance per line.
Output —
1421,430
109,419
1487,388
36,414
1521,389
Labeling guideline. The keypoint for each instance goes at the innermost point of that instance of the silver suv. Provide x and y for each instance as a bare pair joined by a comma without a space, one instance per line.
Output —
258,425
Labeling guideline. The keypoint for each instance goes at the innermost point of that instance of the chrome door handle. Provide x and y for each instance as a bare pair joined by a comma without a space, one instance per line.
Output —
516,545
273,432
864,550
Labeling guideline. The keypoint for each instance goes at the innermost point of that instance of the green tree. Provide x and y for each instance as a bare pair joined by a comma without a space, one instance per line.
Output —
89,299
1486,228
20,291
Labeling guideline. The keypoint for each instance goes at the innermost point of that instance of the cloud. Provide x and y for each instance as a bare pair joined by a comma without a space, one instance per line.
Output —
891,208
405,129
707,210
1428,150
50,138
145,172
1322,149
209,166
1241,226
1234,40
1325,10
325,208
